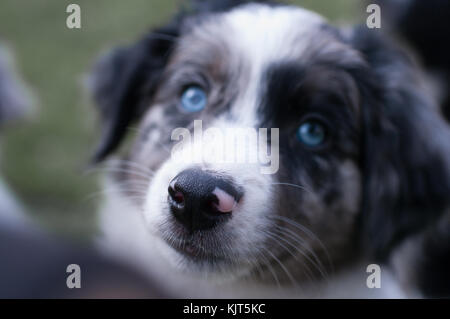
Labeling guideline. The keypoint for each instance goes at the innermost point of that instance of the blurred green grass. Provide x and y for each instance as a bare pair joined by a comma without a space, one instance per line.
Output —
44,159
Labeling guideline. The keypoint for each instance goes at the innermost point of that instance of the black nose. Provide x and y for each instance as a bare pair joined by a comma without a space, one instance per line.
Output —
200,200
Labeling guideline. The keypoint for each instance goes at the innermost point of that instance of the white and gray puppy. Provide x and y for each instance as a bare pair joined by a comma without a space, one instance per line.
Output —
363,169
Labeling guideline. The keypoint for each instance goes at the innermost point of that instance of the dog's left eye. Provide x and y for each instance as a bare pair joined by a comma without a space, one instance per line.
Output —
193,99
312,133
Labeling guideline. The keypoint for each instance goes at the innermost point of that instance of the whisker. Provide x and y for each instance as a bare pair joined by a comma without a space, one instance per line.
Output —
309,233
294,185
302,242
316,263
135,165
307,271
270,268
110,191
278,238
291,278
137,197
132,183
125,171
254,264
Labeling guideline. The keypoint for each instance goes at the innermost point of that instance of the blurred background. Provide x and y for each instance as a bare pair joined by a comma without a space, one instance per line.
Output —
44,159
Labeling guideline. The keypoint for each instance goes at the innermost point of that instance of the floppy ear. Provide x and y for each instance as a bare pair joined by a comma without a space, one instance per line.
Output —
123,82
406,149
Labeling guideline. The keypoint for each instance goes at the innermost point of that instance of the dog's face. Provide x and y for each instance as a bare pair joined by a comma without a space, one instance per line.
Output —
270,67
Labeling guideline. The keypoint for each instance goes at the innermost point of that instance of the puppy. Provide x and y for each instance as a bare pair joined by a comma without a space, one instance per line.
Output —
359,166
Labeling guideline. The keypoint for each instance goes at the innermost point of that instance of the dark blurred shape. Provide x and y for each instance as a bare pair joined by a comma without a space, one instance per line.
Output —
434,266
425,25
33,265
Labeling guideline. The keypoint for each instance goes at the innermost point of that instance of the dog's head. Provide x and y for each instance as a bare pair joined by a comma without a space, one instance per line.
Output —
352,153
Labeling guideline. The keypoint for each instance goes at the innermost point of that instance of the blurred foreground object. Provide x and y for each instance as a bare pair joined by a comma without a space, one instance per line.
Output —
34,266
15,103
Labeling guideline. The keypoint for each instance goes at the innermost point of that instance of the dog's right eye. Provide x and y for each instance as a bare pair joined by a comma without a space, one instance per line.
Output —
193,99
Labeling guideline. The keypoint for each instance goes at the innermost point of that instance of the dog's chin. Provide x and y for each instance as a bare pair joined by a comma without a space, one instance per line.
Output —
193,257
202,252
200,247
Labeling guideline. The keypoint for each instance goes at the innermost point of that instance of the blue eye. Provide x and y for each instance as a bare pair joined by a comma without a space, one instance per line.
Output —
311,133
193,99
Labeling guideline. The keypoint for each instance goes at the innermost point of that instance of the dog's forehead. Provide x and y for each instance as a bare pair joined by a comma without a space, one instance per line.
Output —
268,32
256,34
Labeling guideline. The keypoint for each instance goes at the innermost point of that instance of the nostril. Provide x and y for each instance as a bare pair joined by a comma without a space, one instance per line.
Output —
176,196
211,206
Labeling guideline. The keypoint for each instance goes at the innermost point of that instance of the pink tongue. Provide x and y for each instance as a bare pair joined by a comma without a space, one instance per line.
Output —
226,201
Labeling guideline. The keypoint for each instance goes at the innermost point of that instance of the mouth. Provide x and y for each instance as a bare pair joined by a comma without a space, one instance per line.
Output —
193,250
187,249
